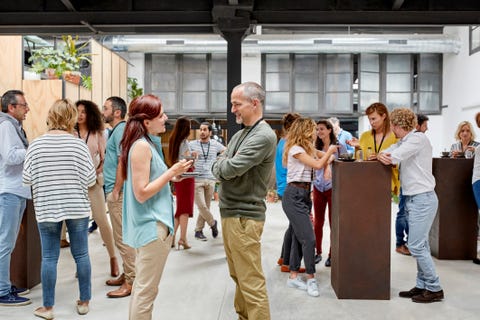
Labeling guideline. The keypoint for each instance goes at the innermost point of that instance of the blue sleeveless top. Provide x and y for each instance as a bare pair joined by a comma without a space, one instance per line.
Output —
140,219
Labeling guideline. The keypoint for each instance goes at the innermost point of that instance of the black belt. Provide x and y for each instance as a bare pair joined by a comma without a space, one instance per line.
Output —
302,185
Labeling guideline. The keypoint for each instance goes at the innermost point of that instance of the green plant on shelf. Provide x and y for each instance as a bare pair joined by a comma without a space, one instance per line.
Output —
86,82
133,88
67,58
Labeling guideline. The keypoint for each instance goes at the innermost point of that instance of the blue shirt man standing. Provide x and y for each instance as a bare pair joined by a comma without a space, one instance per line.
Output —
13,195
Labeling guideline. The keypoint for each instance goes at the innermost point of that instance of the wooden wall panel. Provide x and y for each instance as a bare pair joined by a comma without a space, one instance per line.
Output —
123,79
71,91
11,63
86,94
97,73
115,75
106,73
40,95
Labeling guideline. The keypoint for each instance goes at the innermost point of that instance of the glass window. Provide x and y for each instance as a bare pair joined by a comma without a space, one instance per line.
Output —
474,32
188,83
338,83
429,83
399,80
369,79
306,102
277,102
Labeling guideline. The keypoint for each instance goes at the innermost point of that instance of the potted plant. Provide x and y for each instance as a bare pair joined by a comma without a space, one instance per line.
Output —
65,61
72,59
46,60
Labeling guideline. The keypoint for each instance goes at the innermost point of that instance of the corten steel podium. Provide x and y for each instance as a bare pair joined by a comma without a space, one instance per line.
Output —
26,257
360,237
454,230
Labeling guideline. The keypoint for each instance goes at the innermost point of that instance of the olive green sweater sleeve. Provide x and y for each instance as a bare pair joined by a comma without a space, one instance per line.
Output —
244,172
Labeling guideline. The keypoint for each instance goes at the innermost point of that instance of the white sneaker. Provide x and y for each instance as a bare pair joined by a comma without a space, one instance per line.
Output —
296,283
312,288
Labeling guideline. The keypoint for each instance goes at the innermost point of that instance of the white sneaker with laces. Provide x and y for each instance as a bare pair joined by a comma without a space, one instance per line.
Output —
312,288
296,283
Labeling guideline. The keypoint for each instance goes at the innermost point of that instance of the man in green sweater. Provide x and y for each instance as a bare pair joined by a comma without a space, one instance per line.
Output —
244,171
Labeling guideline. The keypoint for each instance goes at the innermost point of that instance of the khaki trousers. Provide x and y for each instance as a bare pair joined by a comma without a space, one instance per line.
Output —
99,214
126,252
203,196
241,239
151,260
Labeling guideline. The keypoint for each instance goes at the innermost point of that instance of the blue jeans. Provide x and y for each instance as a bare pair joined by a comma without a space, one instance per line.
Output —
476,192
50,237
11,214
401,222
421,210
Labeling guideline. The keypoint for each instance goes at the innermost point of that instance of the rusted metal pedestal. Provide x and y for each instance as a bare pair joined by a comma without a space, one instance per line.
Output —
361,230
454,230
26,257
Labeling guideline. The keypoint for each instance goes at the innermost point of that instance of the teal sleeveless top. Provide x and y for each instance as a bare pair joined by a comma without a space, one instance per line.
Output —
140,219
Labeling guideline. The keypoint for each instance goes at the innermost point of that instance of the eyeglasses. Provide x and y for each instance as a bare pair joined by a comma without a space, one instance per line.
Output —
25,105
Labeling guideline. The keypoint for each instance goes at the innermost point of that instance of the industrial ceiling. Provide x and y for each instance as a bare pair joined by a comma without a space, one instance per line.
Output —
93,17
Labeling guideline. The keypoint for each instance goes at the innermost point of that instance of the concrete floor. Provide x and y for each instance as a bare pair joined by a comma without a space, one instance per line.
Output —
196,285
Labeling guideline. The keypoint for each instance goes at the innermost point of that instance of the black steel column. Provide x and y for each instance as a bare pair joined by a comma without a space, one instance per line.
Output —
234,74
233,24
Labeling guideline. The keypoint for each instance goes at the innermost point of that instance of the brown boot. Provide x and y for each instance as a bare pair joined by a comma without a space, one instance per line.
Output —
116,282
124,291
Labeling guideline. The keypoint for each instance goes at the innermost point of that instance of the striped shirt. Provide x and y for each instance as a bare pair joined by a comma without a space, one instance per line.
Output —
207,155
59,168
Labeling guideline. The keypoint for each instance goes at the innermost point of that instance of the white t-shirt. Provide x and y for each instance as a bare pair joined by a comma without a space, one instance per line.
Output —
297,171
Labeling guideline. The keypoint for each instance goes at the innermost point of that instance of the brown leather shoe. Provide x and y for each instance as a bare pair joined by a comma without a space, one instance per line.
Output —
403,250
64,243
428,296
116,282
124,291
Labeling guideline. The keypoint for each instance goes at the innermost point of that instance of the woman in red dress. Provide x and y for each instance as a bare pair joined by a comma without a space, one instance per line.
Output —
178,149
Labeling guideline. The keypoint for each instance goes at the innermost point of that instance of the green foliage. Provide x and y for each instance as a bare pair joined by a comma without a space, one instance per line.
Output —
133,89
67,58
87,81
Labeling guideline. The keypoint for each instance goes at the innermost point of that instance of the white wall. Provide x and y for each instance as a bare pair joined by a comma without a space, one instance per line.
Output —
461,92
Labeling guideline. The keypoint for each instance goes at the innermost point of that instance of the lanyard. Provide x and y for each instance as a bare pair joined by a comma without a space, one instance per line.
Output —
375,142
88,135
243,138
205,156
111,132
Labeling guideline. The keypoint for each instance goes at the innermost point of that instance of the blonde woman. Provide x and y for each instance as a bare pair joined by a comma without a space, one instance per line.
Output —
465,137
301,158
59,168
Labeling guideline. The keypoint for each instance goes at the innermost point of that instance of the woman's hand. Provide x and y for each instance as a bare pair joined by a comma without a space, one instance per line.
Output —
179,168
353,142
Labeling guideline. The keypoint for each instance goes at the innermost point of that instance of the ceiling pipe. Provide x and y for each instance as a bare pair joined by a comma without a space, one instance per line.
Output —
283,44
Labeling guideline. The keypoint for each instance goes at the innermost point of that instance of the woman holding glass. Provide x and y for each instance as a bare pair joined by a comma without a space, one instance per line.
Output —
379,138
147,201
322,185
179,149
466,143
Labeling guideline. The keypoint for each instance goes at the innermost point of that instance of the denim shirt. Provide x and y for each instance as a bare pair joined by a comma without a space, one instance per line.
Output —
12,156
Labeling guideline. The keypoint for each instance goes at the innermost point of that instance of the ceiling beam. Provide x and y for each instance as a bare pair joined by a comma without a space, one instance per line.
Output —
397,4
68,5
